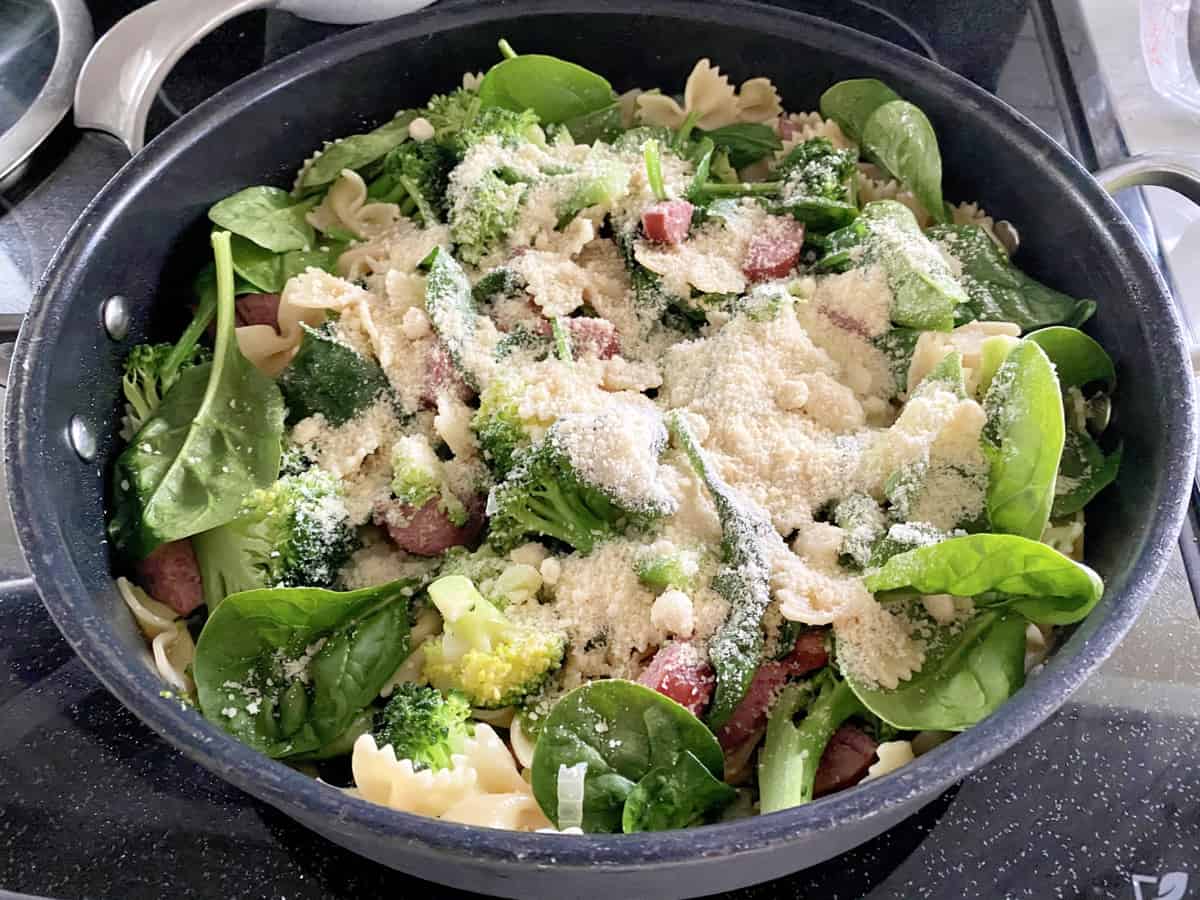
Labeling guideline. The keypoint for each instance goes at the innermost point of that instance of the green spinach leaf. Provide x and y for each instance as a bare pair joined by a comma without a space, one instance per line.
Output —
603,124
287,670
1023,441
1028,576
355,152
215,437
1083,472
736,648
557,90
900,138
624,732
999,291
329,378
851,103
924,292
268,272
746,142
674,796
967,675
1078,360
269,216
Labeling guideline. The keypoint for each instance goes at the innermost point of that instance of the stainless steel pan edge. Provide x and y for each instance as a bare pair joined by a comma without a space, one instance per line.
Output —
669,864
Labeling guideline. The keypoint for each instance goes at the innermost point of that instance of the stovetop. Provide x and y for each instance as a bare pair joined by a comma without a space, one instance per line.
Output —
1101,801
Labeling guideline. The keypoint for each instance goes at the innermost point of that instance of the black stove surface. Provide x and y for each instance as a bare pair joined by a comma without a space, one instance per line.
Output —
1101,801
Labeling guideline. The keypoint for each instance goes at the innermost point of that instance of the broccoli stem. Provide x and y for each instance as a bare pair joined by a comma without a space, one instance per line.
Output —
428,216
792,752
562,339
506,49
743,188
565,516
685,131
654,169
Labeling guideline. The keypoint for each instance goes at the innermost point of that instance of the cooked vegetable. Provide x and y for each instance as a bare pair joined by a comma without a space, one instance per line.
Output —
558,91
418,476
999,291
215,436
451,308
268,216
150,371
745,143
1023,441
492,661
287,670
736,649
802,721
295,533
1024,575
636,745
330,378
422,725
967,675
355,152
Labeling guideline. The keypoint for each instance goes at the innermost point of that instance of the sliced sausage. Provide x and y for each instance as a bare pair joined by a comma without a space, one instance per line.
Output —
428,531
171,575
258,309
751,714
441,377
590,336
668,221
679,671
848,755
775,250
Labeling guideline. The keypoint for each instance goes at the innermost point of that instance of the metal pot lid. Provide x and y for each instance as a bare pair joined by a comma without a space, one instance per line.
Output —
42,45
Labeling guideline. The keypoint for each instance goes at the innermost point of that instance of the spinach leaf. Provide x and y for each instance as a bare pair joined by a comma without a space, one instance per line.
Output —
557,90
746,142
256,644
851,103
269,216
329,378
999,291
900,138
451,308
898,346
736,648
624,732
1083,472
674,796
355,152
1078,360
215,437
268,272
602,124
1028,576
924,292
1023,441
967,675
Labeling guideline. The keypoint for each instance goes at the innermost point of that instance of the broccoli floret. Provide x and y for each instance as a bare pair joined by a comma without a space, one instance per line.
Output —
421,170
493,661
510,128
500,580
484,217
294,533
150,371
531,346
450,115
544,495
498,426
423,726
602,182
499,283
418,476
669,570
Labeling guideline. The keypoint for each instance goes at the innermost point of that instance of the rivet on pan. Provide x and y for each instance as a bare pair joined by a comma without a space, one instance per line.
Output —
115,313
82,440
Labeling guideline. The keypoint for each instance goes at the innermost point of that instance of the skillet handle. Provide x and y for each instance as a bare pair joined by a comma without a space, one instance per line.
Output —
127,66
1178,171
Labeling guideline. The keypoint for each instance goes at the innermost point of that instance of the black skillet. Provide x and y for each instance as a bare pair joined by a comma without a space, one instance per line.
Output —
143,238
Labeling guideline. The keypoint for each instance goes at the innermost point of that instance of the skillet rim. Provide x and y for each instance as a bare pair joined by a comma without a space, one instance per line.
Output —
59,581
